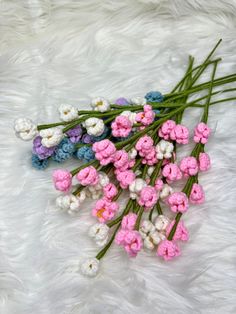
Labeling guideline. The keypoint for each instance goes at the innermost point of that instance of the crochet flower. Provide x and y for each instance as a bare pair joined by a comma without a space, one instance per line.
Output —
90,267
128,221
87,139
25,129
104,151
189,166
131,241
136,187
168,250
110,191
158,184
67,112
154,96
166,128
165,192
139,101
204,162
38,163
144,145
70,202
164,149
51,137
62,180
178,202
171,172
180,134
125,178
181,232
161,222
121,159
201,133
151,237
99,232
75,134
100,104
88,176
150,157
197,195
105,134
85,153
121,127
63,151
148,197
41,151
94,126
122,101
147,116
105,210
130,115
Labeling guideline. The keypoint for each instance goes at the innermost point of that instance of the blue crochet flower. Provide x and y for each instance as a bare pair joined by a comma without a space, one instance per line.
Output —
37,163
154,97
64,150
102,136
85,153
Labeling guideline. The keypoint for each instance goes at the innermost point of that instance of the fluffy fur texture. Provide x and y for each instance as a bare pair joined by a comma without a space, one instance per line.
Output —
58,51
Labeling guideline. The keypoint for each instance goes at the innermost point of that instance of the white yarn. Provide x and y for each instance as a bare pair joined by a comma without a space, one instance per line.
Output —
51,137
164,149
90,267
99,232
69,202
94,126
67,112
139,101
161,222
136,187
165,191
25,129
100,104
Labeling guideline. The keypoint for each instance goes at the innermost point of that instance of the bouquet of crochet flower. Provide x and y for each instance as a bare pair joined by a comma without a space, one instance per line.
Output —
132,146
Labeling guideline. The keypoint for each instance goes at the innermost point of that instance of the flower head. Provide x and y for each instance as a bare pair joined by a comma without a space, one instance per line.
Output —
25,129
94,126
99,232
51,137
154,96
105,210
148,197
201,133
189,166
90,267
168,250
67,112
204,162
121,127
88,176
41,151
180,134
197,195
100,104
166,129
62,180
164,149
128,221
178,202
181,232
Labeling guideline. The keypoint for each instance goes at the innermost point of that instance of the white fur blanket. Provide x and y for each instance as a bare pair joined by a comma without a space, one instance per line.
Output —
54,51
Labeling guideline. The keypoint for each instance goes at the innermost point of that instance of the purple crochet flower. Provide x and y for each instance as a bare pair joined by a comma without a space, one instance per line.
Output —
41,151
87,139
122,101
75,134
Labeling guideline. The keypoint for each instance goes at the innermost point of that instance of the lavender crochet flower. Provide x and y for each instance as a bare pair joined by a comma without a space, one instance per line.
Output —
41,151
87,139
75,134
122,101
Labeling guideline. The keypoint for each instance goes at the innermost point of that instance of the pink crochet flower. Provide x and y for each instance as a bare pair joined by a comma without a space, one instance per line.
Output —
171,172
144,145
158,185
88,176
166,129
121,159
128,221
201,133
147,116
180,134
62,180
168,250
110,191
150,157
121,127
178,202
189,166
125,178
181,232
148,197
104,151
197,195
131,240
204,162
105,210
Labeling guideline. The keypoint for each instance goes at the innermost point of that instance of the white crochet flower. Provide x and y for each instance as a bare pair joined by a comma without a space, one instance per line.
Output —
90,267
132,153
94,192
94,126
146,228
150,171
67,112
139,101
136,187
164,149
130,115
151,236
103,178
51,137
161,222
25,129
69,202
100,104
99,232
165,192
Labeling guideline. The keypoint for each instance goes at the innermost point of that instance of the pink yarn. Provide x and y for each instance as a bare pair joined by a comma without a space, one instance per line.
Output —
204,162
125,178
144,145
168,250
178,202
121,159
121,127
180,134
201,133
62,180
158,185
181,232
110,191
104,151
166,129
147,116
148,197
131,240
128,221
150,157
88,176
105,210
171,172
189,166
197,195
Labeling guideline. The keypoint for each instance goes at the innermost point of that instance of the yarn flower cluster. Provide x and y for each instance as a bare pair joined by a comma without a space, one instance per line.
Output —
129,165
